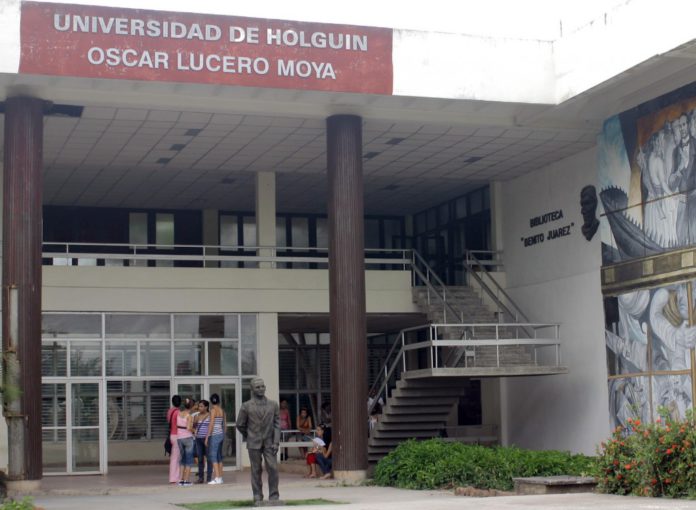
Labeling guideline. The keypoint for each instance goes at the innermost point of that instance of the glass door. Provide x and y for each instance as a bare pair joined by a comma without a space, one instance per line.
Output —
190,389
74,440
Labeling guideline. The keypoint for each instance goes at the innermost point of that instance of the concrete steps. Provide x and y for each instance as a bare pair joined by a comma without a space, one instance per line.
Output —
467,301
416,409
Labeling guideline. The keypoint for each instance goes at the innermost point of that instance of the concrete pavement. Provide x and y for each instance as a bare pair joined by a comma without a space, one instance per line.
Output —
134,489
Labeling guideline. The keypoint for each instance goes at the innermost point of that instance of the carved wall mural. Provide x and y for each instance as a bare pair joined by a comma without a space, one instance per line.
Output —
647,177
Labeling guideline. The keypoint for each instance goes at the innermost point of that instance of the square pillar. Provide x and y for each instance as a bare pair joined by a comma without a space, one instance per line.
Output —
211,235
266,215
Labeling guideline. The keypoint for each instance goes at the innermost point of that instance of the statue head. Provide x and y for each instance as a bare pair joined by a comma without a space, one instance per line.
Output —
588,209
258,387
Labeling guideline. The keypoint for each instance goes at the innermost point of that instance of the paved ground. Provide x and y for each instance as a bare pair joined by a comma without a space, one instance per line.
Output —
138,488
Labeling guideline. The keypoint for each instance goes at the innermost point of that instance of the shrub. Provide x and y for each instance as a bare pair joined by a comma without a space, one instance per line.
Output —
12,504
435,464
656,459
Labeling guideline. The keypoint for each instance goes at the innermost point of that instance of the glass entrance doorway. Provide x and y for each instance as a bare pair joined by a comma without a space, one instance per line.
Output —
72,415
230,401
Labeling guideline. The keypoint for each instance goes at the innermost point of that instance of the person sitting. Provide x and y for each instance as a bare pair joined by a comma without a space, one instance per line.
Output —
304,425
323,457
312,457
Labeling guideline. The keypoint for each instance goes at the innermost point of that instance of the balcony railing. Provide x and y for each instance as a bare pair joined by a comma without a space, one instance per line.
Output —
209,256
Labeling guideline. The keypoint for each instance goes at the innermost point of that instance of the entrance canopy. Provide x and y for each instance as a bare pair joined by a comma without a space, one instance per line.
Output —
443,113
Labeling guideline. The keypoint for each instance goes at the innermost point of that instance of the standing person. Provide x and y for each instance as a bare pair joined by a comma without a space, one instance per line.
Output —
326,414
285,424
201,424
259,424
304,425
174,456
184,425
215,438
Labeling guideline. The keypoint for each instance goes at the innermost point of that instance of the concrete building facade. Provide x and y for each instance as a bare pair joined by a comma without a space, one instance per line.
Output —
191,200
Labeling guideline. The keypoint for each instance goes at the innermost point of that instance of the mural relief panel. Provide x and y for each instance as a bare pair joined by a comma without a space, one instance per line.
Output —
647,176
647,162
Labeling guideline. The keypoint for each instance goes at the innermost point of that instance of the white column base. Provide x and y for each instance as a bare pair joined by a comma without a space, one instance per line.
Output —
353,477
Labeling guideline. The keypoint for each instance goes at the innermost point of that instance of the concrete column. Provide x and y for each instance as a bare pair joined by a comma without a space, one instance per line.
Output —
211,235
347,297
496,195
3,423
266,214
267,334
21,283
504,411
267,337
490,401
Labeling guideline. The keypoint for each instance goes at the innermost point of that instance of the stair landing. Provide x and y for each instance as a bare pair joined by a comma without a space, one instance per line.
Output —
508,371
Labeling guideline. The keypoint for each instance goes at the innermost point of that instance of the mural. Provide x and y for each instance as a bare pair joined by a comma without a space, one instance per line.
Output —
649,337
673,393
628,398
647,161
647,183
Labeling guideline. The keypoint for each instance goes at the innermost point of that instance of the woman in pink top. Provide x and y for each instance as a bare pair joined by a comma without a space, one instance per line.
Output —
184,425
284,425
175,456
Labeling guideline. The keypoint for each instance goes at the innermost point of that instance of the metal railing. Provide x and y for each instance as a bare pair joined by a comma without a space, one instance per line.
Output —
484,258
412,340
127,254
435,288
478,270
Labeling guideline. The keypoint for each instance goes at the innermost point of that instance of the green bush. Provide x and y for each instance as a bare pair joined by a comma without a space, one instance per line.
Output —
12,504
657,459
435,464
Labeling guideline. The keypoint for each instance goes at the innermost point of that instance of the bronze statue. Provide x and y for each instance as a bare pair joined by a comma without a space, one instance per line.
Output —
259,424
588,209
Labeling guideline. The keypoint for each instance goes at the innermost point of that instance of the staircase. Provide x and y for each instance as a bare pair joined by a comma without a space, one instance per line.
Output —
417,409
469,304
465,339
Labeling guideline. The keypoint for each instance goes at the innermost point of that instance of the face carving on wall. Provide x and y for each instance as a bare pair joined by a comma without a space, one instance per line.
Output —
588,209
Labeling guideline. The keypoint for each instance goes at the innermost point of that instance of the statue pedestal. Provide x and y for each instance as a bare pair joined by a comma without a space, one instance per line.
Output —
266,502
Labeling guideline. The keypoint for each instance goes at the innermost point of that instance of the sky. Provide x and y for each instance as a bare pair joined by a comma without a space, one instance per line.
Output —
528,19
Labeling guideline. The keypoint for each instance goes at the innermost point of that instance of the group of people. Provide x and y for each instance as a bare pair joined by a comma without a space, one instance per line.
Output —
321,452
196,429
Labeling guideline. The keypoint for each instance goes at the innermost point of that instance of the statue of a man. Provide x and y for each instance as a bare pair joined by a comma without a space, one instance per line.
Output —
259,424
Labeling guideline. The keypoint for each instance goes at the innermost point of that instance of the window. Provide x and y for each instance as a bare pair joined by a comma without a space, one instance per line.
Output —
164,229
137,231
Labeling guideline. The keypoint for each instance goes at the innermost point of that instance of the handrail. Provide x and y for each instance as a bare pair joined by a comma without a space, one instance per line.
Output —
416,258
204,247
214,253
518,313
493,261
442,297
394,357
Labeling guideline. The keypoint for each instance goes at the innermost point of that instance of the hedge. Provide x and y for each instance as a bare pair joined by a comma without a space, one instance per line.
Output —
434,464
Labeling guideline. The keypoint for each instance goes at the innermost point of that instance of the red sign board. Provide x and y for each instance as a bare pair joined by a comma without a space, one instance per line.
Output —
115,43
